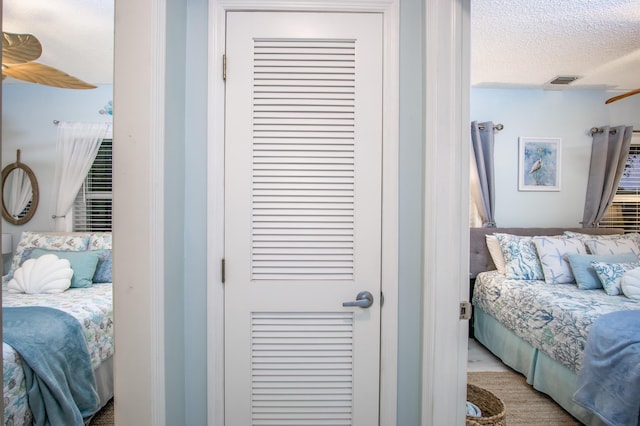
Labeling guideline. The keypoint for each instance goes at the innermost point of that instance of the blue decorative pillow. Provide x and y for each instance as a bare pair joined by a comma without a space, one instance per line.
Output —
83,263
553,252
520,257
610,275
104,270
586,277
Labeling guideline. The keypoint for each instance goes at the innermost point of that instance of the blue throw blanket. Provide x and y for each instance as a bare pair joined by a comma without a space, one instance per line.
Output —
61,387
609,380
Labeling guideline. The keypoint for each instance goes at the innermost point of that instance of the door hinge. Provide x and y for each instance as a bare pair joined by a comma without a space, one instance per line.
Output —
224,67
465,310
222,271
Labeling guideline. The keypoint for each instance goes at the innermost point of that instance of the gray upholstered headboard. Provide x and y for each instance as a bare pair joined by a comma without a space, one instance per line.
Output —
480,260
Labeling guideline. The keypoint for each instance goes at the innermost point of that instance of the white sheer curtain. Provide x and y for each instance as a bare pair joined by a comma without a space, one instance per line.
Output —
76,148
19,192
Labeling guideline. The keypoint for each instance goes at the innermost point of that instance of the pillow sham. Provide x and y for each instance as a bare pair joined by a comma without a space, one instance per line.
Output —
49,241
46,274
100,240
583,272
610,275
83,264
612,246
633,236
520,257
496,253
552,252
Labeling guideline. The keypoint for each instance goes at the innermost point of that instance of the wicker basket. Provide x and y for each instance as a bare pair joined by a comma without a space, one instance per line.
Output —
492,407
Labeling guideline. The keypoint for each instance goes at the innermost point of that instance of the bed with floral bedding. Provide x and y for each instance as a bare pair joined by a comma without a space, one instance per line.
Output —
537,294
87,298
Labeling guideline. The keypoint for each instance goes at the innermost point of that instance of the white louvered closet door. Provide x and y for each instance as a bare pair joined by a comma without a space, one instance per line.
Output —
303,173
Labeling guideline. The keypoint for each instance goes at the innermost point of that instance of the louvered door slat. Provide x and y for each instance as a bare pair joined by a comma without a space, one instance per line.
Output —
295,380
305,200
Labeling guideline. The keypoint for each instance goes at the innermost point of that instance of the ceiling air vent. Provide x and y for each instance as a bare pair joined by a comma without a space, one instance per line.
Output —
564,79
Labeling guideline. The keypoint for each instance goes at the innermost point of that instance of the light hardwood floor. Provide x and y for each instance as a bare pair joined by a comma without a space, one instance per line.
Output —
480,359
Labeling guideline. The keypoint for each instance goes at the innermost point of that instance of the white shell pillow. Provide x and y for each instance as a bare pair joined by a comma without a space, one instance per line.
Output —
631,283
46,274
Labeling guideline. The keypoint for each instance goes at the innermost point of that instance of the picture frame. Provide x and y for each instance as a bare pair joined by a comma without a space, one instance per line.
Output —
539,164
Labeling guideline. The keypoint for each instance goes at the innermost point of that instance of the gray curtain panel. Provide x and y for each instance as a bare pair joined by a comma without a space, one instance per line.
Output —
482,171
609,152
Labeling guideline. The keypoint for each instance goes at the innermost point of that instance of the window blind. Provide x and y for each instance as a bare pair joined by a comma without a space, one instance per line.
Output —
624,211
92,206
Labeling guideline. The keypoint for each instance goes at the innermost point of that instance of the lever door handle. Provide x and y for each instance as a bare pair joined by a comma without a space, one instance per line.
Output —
364,299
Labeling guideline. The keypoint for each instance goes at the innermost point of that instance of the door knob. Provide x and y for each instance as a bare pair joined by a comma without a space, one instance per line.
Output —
364,299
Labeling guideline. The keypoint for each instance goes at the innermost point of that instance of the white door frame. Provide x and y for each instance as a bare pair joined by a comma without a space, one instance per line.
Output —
446,210
215,188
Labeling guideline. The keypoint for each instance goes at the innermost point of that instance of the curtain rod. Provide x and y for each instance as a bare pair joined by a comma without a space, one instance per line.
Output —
497,127
595,130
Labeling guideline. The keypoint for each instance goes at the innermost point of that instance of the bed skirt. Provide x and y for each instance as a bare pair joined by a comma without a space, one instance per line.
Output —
541,371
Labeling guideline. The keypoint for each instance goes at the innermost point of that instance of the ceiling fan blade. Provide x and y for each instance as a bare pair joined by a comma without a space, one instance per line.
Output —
43,74
19,48
624,95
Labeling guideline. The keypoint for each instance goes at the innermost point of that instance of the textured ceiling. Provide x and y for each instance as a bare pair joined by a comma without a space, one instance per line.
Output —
527,43
515,43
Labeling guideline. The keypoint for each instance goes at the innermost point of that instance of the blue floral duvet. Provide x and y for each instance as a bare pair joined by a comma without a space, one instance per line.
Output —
554,318
91,306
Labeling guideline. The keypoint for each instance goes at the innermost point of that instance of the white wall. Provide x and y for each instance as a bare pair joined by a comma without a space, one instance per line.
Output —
28,111
567,114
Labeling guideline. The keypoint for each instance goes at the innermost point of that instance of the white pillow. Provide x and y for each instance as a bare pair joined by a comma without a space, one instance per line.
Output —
496,254
603,246
631,283
46,274
553,252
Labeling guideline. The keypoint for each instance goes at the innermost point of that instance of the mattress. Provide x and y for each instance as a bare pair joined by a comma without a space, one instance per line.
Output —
554,318
93,307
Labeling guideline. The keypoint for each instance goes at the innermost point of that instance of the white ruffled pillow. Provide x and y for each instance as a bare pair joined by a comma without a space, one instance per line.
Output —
46,274
631,284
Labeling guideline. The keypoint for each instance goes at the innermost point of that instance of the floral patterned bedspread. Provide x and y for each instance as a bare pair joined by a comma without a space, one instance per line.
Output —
554,318
93,307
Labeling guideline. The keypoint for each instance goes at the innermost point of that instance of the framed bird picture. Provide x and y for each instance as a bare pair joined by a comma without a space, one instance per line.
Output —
539,164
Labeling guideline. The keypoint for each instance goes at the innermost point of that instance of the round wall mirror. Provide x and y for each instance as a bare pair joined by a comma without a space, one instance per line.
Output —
19,192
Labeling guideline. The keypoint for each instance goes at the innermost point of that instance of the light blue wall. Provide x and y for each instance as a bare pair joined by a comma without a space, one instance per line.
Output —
175,210
568,115
410,213
28,111
195,192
